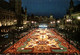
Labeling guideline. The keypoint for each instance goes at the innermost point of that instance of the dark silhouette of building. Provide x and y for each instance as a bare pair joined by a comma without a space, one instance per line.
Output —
71,7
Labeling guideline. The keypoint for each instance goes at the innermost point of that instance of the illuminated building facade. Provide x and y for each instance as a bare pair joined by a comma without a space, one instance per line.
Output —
71,20
12,14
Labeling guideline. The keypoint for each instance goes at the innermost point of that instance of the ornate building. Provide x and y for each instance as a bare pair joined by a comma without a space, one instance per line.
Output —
72,18
11,14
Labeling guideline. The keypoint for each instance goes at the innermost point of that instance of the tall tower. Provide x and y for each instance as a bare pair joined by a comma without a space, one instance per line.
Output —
12,4
25,11
71,7
26,14
71,4
16,5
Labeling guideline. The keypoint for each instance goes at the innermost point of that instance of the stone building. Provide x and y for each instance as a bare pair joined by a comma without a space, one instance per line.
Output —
52,21
12,15
72,18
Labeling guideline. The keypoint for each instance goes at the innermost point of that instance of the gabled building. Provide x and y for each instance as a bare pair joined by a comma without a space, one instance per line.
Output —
12,14
72,18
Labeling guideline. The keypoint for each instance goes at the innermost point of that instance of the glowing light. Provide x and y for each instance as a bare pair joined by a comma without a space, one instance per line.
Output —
24,22
5,24
68,20
20,27
15,20
61,48
11,23
8,23
0,24
32,22
35,22
22,48
58,21
48,40
78,18
51,22
43,26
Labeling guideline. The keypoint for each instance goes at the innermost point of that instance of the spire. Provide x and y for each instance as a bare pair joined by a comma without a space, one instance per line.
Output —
71,4
71,7
25,11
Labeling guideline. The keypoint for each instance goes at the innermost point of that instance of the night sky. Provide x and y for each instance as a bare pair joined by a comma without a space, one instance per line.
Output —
46,7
